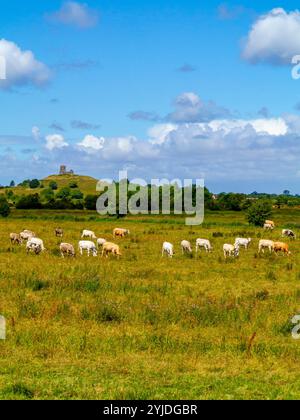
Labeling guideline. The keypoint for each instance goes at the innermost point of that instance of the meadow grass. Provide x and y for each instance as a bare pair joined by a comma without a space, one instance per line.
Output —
146,327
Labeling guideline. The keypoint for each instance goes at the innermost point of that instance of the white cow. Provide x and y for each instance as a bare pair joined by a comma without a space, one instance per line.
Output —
268,226
186,247
35,245
88,234
101,242
36,242
243,242
263,244
27,234
88,246
231,250
203,243
168,249
288,233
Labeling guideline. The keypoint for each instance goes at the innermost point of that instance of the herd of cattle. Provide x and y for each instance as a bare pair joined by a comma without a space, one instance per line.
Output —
234,250
36,245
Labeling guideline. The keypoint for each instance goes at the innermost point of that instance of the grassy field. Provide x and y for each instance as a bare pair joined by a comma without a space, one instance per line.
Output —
147,327
86,184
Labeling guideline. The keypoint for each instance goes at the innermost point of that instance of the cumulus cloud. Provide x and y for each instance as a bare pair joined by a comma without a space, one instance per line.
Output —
190,108
76,14
22,68
273,38
91,143
230,153
55,141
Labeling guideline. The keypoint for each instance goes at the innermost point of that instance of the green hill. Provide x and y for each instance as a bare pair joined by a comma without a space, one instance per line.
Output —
86,184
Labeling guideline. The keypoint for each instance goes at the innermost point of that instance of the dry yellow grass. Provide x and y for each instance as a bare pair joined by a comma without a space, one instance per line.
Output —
146,326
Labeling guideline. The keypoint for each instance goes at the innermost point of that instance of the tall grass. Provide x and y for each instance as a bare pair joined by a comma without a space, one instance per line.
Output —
145,326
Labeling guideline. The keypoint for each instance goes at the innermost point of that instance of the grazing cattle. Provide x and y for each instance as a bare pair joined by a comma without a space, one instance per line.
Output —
243,242
15,239
110,248
59,233
270,222
27,234
265,244
168,249
281,247
288,233
268,226
203,243
67,250
88,234
88,246
100,242
36,242
31,246
231,250
120,233
186,247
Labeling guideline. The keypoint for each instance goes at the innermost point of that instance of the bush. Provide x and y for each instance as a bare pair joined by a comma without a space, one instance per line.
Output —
77,194
259,212
73,185
53,185
4,207
35,183
90,202
64,193
47,194
31,201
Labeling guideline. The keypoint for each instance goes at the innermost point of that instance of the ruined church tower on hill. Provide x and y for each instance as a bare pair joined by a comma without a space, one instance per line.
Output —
63,171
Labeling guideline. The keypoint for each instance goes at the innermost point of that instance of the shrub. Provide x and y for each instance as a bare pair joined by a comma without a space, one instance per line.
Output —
31,201
47,194
64,193
77,194
259,212
4,207
53,185
35,183
90,202
73,185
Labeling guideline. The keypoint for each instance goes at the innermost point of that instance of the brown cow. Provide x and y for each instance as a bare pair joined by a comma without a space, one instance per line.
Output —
281,247
110,248
59,233
67,250
121,233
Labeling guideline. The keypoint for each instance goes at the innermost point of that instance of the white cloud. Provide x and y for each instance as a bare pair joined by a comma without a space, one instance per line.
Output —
22,68
189,108
76,14
229,154
92,143
55,141
159,132
272,126
274,38
36,133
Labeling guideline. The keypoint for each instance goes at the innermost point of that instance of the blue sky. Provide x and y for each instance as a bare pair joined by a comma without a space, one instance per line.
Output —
162,88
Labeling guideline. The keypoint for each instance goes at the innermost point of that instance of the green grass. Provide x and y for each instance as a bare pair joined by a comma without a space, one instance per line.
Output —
86,184
147,327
